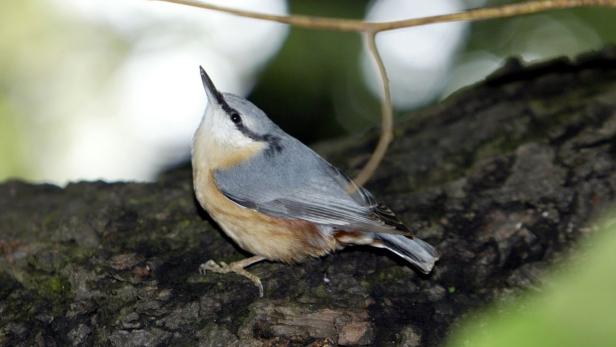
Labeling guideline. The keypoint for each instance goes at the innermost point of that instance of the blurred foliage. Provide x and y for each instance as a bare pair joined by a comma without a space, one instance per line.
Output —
50,64
575,308
11,146
579,29
313,87
53,64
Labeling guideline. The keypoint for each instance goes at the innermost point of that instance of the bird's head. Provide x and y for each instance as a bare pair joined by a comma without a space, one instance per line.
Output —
232,120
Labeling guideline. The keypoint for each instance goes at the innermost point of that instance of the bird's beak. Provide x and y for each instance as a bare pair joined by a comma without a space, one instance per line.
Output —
213,95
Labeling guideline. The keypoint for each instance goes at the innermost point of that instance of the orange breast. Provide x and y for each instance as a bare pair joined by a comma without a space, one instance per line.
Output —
274,238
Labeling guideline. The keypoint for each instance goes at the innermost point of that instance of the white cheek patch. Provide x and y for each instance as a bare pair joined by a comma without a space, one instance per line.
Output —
220,127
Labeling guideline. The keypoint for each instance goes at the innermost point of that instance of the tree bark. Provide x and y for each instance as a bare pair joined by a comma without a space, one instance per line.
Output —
502,177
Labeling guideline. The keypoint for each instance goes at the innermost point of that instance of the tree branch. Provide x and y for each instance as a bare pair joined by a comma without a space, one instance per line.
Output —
355,25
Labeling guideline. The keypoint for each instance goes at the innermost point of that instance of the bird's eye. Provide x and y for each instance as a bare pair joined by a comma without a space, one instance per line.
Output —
235,118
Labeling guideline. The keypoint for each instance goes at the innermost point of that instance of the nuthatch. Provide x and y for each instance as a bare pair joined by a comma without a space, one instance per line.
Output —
279,200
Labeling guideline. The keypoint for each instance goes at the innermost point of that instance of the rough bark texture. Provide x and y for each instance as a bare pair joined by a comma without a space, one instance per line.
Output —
502,177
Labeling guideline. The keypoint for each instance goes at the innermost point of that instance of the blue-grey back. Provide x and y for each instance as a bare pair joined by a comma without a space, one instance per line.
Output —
294,182
292,168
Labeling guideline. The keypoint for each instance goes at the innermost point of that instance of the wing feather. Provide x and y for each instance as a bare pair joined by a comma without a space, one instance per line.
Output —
296,183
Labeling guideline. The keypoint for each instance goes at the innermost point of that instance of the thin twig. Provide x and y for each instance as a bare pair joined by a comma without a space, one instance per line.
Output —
387,118
370,29
502,11
310,22
355,25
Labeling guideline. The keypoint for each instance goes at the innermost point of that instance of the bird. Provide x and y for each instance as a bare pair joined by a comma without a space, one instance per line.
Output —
278,199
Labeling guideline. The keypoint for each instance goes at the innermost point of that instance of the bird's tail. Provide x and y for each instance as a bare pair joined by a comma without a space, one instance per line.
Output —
417,252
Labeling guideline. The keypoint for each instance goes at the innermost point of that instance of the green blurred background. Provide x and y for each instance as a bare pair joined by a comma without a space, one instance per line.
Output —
75,101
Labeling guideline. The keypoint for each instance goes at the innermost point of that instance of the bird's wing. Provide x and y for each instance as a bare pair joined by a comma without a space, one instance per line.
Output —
296,183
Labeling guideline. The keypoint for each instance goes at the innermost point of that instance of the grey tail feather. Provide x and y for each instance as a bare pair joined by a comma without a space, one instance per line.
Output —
414,250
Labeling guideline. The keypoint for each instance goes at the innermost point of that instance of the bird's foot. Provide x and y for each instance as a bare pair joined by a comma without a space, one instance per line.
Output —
235,267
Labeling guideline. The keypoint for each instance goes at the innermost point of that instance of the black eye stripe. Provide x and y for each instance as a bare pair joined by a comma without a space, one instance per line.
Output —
274,142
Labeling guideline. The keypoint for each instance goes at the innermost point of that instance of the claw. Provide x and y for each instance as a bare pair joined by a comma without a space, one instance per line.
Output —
210,265
236,267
